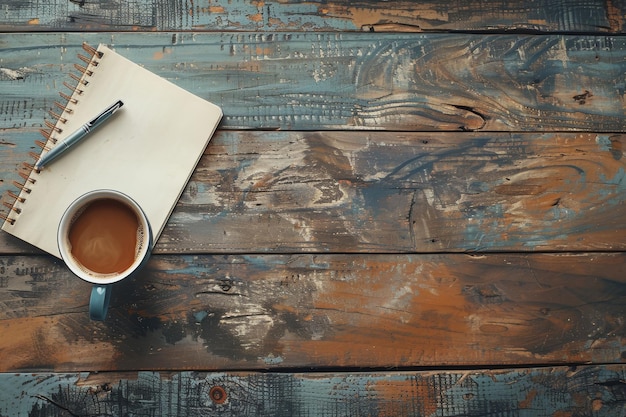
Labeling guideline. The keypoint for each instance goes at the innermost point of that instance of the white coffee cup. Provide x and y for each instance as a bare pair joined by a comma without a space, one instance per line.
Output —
95,239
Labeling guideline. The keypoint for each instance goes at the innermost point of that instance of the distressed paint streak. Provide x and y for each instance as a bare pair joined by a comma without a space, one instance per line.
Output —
287,80
319,310
368,192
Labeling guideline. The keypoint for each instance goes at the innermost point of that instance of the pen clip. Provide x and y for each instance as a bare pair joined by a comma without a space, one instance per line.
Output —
105,114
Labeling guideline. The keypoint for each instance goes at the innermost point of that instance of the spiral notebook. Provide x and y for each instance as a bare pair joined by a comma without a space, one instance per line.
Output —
147,150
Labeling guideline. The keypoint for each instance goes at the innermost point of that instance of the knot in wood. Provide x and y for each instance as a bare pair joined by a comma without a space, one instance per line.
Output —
218,395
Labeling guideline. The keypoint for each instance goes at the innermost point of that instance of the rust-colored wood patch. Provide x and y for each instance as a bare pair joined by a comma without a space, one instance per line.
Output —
215,312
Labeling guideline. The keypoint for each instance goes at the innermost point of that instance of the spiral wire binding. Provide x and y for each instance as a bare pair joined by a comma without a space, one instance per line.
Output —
28,169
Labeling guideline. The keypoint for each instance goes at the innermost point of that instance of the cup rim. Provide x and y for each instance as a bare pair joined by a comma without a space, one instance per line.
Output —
66,219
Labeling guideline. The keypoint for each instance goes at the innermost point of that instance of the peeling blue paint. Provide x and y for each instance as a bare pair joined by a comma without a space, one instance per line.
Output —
272,360
619,179
614,191
19,393
200,315
535,240
561,213
604,142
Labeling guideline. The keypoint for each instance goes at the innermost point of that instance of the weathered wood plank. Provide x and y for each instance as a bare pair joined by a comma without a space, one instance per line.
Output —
276,15
373,81
287,311
286,192
558,391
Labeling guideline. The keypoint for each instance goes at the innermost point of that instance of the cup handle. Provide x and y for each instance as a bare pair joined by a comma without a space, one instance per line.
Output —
99,302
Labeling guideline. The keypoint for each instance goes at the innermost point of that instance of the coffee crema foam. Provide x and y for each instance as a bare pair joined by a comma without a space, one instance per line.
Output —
105,237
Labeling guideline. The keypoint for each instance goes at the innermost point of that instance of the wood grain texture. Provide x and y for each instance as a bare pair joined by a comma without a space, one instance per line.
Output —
315,311
334,245
351,81
538,392
339,15
319,192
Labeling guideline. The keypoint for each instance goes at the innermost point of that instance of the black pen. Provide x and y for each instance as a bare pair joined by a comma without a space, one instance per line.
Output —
76,136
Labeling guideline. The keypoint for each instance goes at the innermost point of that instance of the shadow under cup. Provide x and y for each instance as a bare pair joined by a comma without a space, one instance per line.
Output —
103,237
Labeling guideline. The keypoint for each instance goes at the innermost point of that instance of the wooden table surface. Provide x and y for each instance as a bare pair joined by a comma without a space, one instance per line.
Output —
408,209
